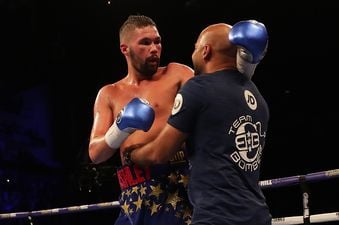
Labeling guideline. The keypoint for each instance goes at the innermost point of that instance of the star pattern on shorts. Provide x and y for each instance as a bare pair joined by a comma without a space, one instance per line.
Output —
156,190
173,199
187,212
125,207
147,203
138,203
184,180
188,221
135,189
128,192
166,196
142,190
155,208
173,178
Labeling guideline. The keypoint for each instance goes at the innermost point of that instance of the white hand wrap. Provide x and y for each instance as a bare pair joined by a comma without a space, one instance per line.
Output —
114,136
243,63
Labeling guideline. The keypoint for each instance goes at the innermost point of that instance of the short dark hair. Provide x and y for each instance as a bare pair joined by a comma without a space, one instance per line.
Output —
133,22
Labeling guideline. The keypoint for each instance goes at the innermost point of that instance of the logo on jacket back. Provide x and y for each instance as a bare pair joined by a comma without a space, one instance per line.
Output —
249,140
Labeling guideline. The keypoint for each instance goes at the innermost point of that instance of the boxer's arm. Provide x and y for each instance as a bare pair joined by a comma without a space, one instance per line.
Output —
136,115
106,138
160,150
99,151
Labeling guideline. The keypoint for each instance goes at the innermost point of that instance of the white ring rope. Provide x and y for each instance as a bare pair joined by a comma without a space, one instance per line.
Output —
278,182
316,218
45,212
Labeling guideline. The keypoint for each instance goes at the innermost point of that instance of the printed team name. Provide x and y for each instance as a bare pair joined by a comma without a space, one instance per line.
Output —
236,124
244,165
247,139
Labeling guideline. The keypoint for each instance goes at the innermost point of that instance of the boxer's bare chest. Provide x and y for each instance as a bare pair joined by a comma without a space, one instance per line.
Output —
160,95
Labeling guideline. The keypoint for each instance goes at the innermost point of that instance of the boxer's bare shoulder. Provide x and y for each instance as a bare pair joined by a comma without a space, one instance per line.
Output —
180,71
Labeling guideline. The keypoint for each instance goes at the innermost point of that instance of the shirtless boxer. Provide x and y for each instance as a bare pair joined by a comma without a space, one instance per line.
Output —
154,195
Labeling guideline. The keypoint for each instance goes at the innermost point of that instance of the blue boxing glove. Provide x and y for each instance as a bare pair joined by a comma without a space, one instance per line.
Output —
252,40
136,115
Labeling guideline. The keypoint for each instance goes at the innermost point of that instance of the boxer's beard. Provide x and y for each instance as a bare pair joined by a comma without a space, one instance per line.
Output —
148,68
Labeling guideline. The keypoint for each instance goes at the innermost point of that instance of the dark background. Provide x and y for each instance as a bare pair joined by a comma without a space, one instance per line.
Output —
55,55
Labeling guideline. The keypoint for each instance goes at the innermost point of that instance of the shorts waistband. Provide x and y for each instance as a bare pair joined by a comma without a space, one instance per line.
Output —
129,176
